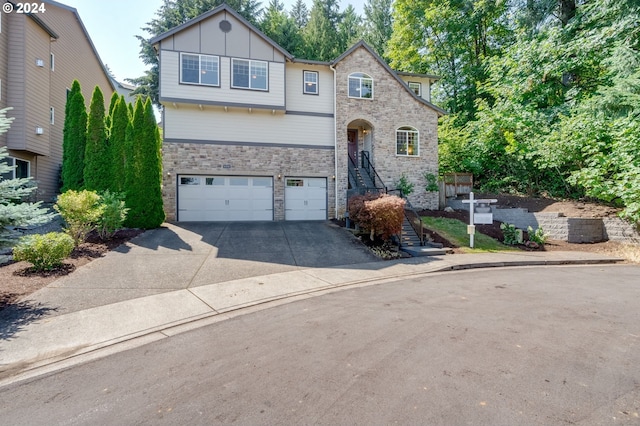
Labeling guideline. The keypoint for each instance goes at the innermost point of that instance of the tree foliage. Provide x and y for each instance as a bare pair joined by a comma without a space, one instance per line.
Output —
74,139
97,161
378,25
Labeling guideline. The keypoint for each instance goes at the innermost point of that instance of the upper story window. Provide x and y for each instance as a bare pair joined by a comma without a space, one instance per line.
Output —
249,74
200,69
52,115
407,141
21,168
360,86
416,88
310,82
52,61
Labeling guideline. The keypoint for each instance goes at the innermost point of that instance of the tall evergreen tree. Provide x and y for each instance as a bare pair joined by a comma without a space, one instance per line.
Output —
120,119
143,192
281,28
300,14
321,33
97,162
349,29
378,24
74,139
112,104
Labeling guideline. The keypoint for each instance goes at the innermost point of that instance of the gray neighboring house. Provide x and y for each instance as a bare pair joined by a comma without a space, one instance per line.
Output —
252,133
40,56
124,89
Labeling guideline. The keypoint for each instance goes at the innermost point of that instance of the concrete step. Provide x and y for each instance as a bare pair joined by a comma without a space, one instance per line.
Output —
425,251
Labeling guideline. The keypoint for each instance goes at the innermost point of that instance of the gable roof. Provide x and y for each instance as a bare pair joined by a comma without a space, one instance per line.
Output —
222,8
364,45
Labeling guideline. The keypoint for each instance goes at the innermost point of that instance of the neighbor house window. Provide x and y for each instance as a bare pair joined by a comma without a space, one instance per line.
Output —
52,115
416,88
310,82
407,141
200,69
360,86
248,74
52,61
21,168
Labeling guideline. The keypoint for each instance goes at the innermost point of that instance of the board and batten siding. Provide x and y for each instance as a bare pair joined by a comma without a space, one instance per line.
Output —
297,100
238,125
206,37
171,90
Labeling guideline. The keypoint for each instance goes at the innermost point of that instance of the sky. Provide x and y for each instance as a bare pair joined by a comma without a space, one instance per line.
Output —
113,25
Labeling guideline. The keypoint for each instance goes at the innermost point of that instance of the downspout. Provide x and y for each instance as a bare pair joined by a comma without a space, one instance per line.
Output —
335,139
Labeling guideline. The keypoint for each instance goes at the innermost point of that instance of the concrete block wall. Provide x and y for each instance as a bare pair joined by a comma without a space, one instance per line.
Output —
616,229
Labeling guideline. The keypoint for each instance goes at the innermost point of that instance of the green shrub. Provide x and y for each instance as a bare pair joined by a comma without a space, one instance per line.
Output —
81,210
510,233
538,236
114,214
432,182
46,251
405,187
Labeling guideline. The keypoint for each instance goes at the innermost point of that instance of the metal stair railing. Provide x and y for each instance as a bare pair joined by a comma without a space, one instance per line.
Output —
413,217
371,172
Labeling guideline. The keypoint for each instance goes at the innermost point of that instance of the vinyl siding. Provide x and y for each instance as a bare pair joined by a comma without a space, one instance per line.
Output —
170,87
298,101
238,125
4,57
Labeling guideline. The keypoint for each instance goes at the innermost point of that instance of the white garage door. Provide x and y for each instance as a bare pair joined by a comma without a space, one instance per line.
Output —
305,199
224,198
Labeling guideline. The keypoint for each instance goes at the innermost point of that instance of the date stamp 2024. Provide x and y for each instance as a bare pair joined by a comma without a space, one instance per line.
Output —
28,8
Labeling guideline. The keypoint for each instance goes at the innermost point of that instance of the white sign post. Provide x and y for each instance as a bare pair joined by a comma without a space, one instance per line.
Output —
486,217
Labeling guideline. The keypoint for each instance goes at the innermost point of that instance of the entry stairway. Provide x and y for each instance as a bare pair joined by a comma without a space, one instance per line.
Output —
364,179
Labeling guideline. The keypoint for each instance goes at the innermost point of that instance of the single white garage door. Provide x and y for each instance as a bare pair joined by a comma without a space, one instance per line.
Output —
224,198
305,198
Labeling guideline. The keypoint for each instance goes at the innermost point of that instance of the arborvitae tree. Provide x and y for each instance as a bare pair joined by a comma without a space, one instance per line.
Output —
144,194
74,139
108,119
120,119
97,164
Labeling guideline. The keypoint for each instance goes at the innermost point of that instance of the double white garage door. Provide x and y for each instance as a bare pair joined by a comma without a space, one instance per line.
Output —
247,198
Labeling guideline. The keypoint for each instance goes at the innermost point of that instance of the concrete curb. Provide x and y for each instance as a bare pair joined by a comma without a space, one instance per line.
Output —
62,341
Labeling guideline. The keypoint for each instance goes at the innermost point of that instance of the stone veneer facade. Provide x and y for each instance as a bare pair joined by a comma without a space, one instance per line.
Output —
238,160
392,107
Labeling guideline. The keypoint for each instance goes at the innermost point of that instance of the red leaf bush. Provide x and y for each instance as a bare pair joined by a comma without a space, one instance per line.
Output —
379,214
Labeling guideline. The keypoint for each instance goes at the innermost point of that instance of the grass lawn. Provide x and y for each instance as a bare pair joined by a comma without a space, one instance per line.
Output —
456,232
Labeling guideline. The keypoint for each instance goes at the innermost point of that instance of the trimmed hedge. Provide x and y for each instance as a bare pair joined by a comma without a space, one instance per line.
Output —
46,251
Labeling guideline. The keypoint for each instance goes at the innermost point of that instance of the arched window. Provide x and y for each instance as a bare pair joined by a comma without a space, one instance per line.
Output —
408,141
360,86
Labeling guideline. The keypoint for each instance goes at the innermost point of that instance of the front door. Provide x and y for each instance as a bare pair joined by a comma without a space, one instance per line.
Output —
352,136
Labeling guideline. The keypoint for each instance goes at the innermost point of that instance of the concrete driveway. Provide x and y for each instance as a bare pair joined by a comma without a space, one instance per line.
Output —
188,255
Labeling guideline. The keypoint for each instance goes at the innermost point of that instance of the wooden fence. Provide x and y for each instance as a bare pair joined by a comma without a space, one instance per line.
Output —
457,184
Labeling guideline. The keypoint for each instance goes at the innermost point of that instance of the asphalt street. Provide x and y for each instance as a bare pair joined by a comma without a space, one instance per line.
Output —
527,346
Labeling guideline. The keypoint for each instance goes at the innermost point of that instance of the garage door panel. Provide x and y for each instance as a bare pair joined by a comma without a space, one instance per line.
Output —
305,198
225,198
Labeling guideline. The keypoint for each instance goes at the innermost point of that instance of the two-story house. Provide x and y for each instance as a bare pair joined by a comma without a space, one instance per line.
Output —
252,133
41,53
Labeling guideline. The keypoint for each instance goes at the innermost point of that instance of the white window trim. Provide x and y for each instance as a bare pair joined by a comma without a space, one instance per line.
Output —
406,131
199,83
12,163
251,62
419,87
353,75
304,82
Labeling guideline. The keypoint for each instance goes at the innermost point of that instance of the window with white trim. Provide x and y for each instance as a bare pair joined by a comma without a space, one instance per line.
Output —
249,74
416,87
52,61
20,168
407,141
199,69
310,82
360,86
